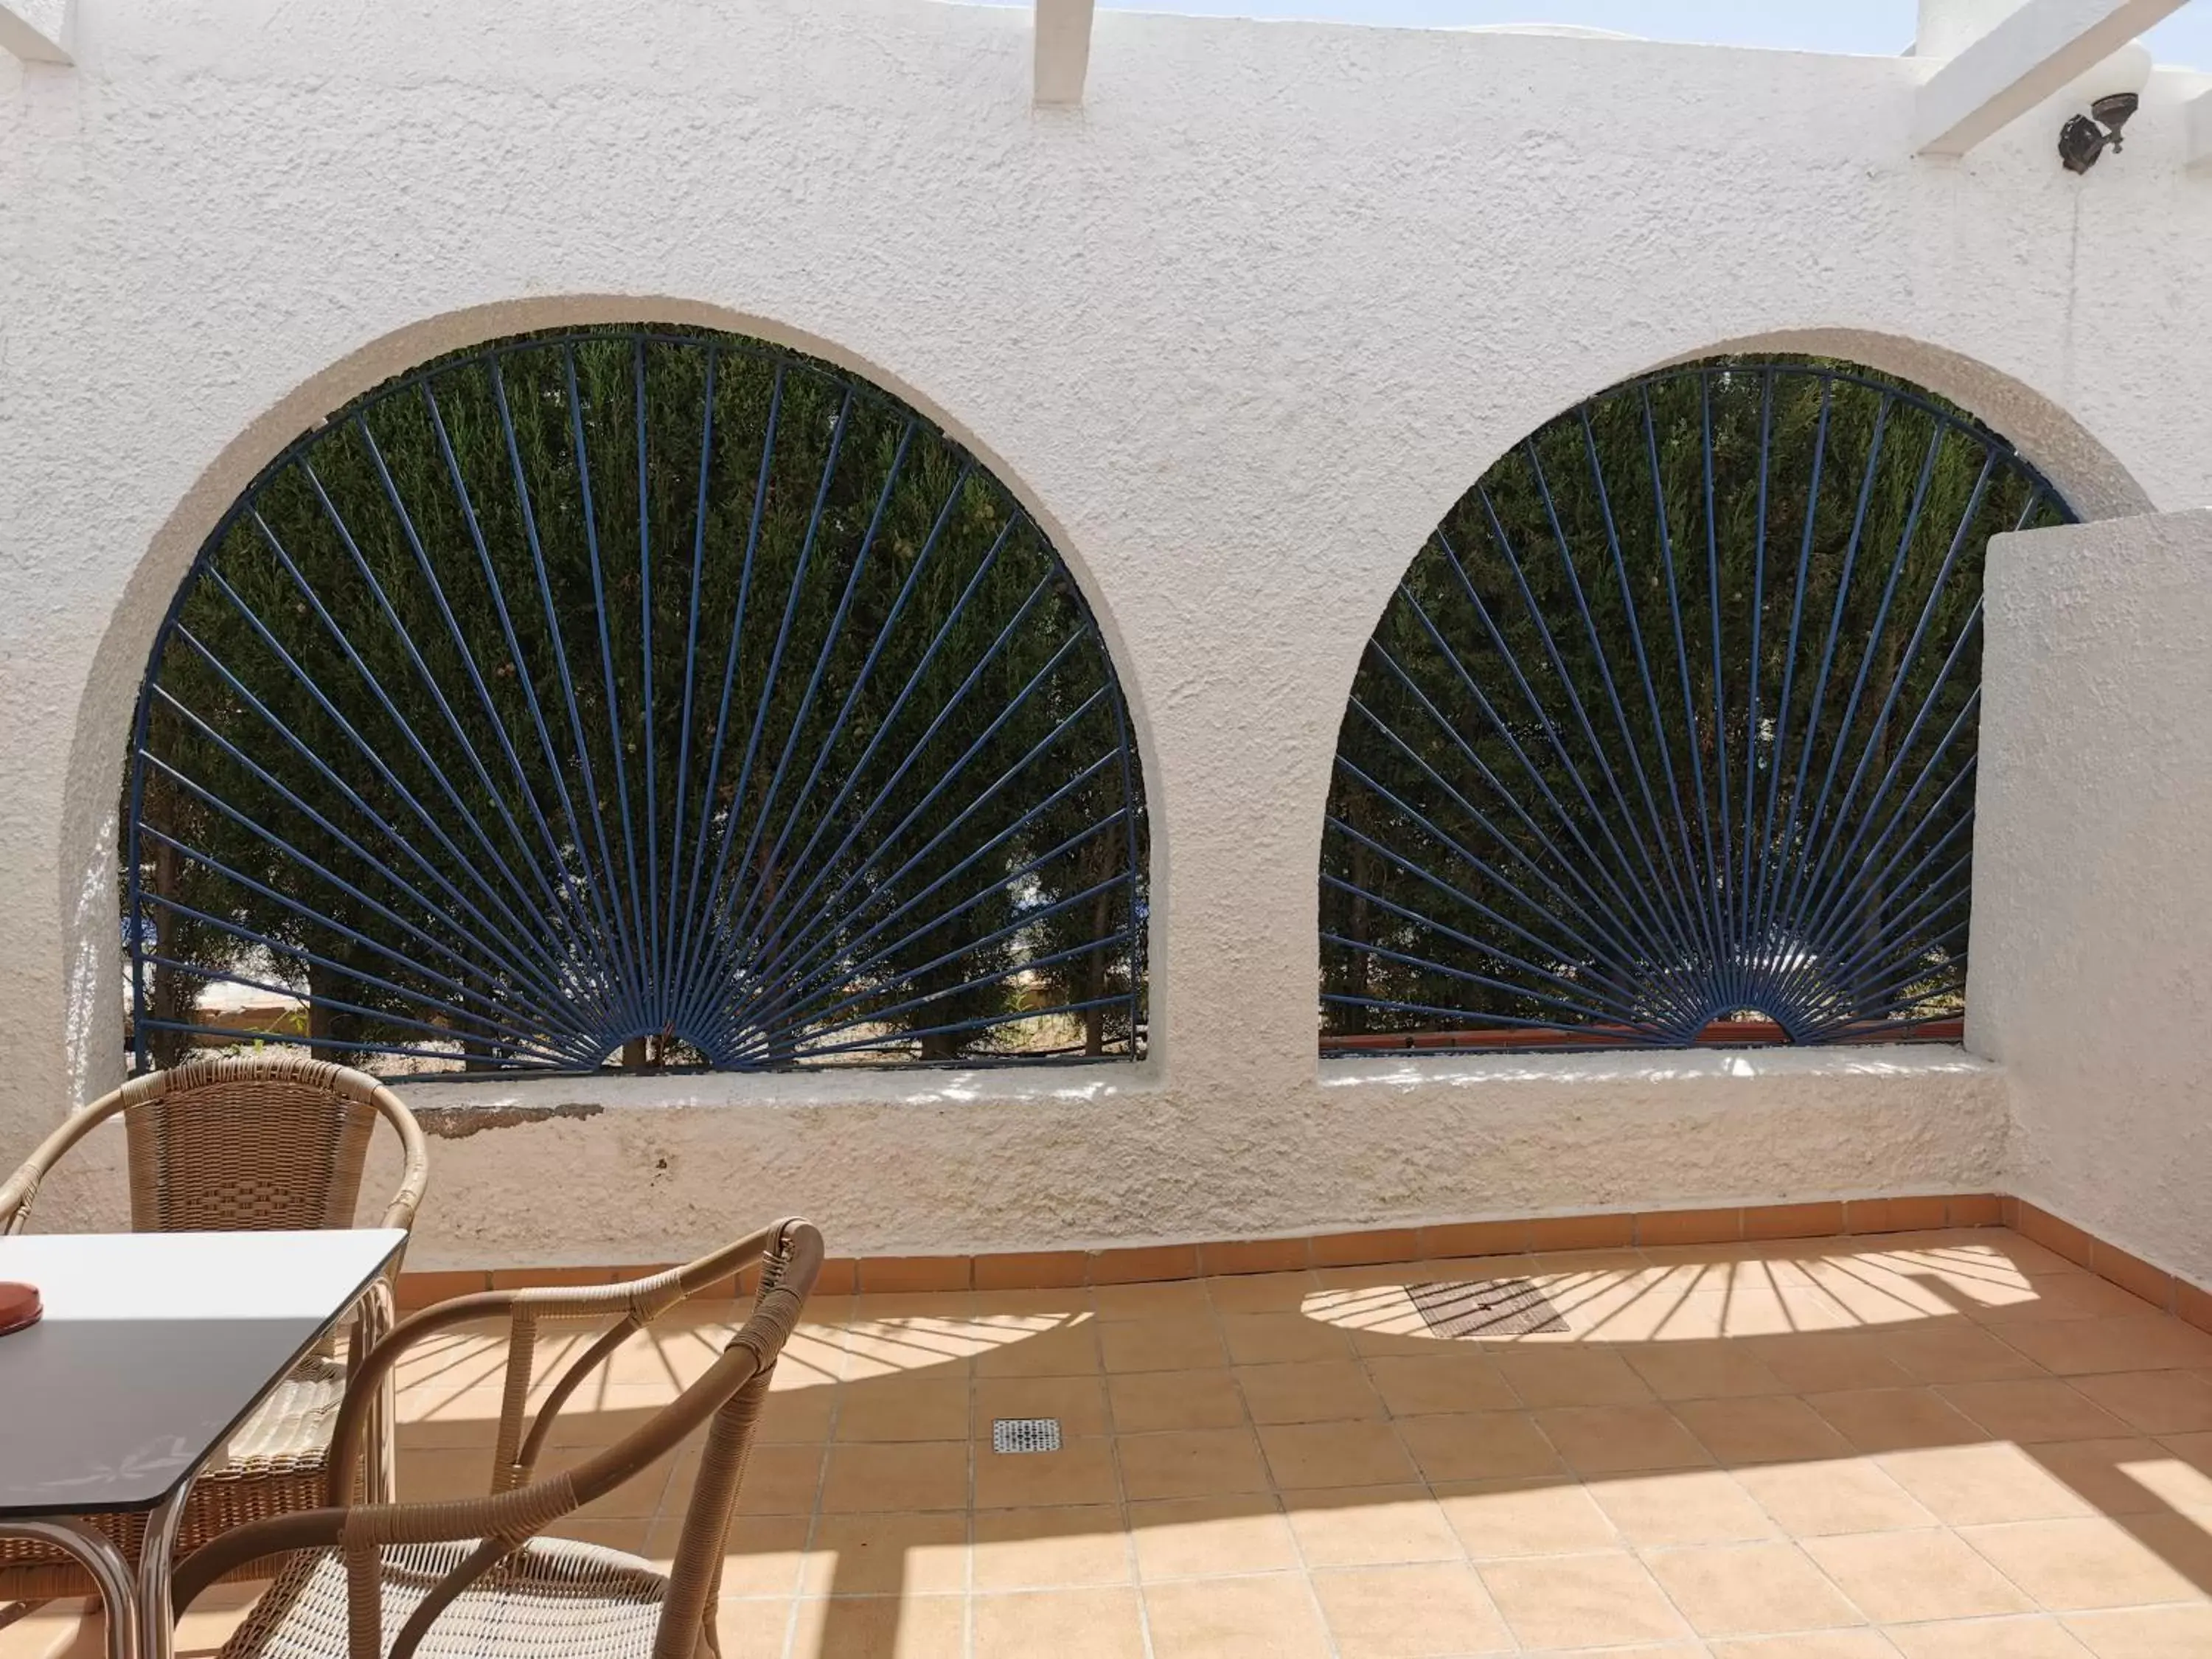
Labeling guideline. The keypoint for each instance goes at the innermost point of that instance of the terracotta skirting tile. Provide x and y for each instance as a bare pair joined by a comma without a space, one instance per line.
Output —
1582,1232
1253,1256
2133,1274
2193,1304
2008,1211
1689,1226
1896,1215
1977,1210
1038,1270
2063,1238
840,1276
426,1290
1366,1249
1475,1238
1136,1266
897,1274
1793,1220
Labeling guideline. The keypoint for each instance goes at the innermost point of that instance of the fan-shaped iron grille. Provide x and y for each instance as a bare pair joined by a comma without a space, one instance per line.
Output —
658,696
1672,723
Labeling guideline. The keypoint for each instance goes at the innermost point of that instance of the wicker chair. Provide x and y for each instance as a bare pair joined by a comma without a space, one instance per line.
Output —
472,1579
220,1146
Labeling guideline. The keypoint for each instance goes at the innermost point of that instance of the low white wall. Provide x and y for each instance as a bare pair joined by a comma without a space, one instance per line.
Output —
1239,332
2092,949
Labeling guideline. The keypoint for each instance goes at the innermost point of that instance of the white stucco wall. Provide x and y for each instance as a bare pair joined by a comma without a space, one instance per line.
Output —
1238,331
2092,949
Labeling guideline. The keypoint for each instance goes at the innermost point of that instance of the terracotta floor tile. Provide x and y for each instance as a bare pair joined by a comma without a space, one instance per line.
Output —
1891,1420
881,1626
1496,1519
908,1408
1687,1506
2184,1633
1811,1500
1409,1612
2148,1342
916,1475
1369,1526
1600,1440
1334,1455
1310,1391
1703,1370
1284,1292
1191,1463
2153,1402
1180,1343
1569,1376
2036,1636
1478,1446
2029,1411
1269,1617
1766,1429
1068,1624
1081,1471
1171,1299
761,1556
1897,1577
1068,1349
2072,1565
1747,1589
1955,1353
1822,1364
1039,1549
1144,1401
1808,1645
1606,1600
1208,1537
1260,1338
1980,1485
2051,1297
779,1481
884,1555
2130,1476
1420,1385
1078,1402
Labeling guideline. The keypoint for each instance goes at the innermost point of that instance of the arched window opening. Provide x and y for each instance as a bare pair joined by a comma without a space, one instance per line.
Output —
637,698
1668,735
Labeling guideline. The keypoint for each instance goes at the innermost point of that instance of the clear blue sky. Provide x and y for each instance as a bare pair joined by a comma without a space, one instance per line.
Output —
1863,26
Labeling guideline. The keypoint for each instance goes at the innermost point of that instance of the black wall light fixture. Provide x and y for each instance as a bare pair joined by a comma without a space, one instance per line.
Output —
2084,138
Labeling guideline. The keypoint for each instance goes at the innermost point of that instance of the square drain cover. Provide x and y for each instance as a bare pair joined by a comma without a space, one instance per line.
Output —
1485,1306
1025,1434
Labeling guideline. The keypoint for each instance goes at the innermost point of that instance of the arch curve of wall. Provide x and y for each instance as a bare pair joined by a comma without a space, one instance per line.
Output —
104,719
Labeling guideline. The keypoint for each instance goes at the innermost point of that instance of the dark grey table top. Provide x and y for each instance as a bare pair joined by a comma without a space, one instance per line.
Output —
154,1349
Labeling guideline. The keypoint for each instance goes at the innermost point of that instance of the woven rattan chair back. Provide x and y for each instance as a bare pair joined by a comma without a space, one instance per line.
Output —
359,1574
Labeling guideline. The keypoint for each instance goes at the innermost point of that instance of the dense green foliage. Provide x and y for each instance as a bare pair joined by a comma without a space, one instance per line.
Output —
1673,720
670,696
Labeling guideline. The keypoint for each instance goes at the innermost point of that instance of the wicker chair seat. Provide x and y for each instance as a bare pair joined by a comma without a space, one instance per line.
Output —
553,1599
276,1467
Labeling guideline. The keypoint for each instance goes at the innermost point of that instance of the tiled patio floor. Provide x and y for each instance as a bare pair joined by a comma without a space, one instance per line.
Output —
1941,1446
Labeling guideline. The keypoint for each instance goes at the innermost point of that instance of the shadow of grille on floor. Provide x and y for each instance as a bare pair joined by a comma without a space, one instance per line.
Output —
1025,1434
1485,1306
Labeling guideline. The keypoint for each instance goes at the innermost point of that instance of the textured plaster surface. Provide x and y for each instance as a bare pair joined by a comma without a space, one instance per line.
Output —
2091,974
1239,330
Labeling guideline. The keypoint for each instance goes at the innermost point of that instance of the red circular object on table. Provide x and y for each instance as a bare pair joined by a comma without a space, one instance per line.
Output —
19,1306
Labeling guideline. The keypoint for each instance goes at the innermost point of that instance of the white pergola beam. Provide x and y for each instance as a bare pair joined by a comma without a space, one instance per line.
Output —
2022,61
34,30
1063,49
2199,112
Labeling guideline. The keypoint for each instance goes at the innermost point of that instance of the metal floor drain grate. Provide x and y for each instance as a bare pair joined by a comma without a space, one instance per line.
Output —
1485,1306
1025,1434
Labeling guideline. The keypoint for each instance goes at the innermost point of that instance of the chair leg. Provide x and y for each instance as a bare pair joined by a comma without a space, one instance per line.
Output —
380,1472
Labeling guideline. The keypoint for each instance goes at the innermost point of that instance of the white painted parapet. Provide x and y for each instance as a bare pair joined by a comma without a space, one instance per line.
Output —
2092,951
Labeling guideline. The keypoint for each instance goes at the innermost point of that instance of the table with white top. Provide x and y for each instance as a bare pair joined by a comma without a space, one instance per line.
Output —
156,1348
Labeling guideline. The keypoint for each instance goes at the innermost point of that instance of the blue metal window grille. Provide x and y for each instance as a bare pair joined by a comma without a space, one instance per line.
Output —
1667,734
633,696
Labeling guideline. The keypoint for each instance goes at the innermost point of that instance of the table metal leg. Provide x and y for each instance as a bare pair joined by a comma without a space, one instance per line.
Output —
157,1619
97,1554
